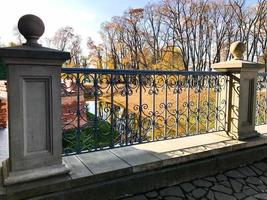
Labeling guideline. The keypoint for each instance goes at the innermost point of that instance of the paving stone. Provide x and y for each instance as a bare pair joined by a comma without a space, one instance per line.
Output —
173,198
152,194
226,184
247,171
187,187
261,166
211,195
222,188
172,191
262,188
263,179
188,197
255,187
250,198
249,191
256,170
240,195
221,177
237,186
139,197
244,183
261,196
234,174
211,179
223,196
254,180
202,183
198,193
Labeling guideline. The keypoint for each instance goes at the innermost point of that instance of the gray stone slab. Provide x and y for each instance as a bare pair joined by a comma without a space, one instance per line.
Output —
104,162
77,168
140,160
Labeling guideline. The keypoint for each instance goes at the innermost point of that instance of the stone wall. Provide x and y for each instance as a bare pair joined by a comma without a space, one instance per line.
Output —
3,104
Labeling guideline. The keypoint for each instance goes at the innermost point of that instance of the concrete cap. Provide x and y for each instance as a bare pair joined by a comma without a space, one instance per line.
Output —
237,64
237,49
32,28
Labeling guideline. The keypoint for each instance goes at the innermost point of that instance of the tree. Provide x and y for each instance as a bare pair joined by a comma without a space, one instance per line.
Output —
65,39
198,32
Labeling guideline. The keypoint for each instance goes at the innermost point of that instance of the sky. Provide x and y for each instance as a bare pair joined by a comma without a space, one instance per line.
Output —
85,16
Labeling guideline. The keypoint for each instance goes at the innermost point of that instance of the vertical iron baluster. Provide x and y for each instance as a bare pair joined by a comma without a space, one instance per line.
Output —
217,103
165,106
126,107
188,104
140,110
78,132
208,104
177,106
198,103
226,103
95,117
111,111
153,107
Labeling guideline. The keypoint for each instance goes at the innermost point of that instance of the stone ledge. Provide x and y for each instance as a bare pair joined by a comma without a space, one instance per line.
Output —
146,167
147,181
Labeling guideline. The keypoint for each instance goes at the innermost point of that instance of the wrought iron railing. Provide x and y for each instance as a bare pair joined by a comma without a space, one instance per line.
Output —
261,102
113,108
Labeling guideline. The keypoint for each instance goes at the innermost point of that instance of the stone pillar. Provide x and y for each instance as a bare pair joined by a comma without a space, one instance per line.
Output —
242,92
34,107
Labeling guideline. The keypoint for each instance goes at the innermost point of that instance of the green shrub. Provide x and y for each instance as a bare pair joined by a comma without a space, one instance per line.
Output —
2,71
86,139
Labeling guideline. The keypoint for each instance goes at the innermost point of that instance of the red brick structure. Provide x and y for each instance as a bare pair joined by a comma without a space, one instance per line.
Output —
3,104
69,111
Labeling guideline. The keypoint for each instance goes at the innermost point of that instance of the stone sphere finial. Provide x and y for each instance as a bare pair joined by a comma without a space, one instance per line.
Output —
32,28
237,49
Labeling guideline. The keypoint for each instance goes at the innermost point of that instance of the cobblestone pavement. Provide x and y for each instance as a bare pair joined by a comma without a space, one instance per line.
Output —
247,183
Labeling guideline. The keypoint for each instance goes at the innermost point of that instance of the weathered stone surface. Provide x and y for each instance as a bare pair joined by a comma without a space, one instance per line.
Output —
240,195
187,187
237,186
172,191
263,179
211,195
198,193
173,198
139,197
152,194
250,198
222,196
261,196
221,177
243,183
249,191
254,180
256,170
202,183
234,174
222,188
247,171
261,166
